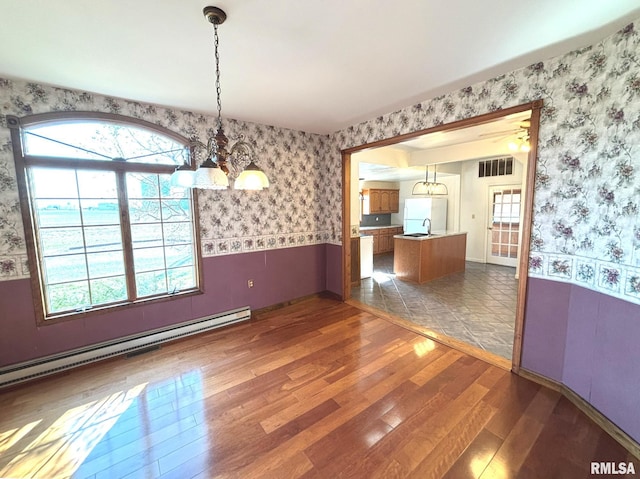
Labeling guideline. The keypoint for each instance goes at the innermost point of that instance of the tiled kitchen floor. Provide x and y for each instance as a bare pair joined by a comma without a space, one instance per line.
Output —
477,306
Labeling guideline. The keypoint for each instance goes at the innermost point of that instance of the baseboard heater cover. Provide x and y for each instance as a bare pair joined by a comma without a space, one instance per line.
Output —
59,362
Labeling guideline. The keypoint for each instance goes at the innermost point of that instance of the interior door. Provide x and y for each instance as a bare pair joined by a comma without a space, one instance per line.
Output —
504,224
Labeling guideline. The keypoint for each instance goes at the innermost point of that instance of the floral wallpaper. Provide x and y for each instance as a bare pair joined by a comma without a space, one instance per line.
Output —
301,207
587,192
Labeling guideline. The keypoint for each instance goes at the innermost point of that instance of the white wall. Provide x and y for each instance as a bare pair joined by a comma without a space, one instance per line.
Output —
453,203
383,185
474,204
489,148
389,156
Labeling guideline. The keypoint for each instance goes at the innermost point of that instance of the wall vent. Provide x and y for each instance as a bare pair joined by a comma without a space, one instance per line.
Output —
18,373
496,167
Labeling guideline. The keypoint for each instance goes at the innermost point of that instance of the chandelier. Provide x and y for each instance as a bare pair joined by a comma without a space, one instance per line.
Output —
213,172
522,141
521,144
430,188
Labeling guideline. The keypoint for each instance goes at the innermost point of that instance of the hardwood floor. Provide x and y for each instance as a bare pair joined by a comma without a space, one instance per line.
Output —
319,389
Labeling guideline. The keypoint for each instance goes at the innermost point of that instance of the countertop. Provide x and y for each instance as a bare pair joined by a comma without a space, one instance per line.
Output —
433,236
367,228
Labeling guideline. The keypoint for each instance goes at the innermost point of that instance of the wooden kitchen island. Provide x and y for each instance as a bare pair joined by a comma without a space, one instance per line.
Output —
424,258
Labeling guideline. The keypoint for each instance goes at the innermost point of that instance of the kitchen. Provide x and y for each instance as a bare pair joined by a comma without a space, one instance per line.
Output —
482,180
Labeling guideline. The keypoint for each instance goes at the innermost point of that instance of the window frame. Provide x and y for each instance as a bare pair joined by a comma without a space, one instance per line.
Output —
24,162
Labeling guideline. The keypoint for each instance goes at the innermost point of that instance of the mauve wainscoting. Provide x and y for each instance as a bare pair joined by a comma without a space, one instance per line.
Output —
589,342
279,275
334,269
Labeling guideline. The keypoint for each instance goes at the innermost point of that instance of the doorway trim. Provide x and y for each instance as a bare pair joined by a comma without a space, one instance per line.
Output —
535,107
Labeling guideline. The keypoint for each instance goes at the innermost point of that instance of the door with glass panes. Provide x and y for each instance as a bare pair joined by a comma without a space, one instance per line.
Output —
504,224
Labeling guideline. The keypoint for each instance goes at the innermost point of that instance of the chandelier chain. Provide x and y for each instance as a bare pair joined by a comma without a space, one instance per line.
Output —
218,89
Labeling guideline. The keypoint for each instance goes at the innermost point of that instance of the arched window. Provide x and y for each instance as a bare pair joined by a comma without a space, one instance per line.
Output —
104,225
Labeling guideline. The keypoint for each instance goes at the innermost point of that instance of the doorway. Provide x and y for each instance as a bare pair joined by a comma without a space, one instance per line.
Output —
526,201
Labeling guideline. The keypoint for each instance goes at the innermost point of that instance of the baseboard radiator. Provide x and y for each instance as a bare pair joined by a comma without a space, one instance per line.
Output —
18,373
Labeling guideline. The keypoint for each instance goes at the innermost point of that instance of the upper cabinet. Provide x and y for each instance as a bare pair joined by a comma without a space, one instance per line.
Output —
380,201
395,201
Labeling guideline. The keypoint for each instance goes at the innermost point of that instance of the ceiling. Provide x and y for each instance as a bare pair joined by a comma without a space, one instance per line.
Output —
313,65
485,140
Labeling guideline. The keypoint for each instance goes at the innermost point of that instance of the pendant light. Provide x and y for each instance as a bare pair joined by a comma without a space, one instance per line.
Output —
252,178
430,188
183,176
213,172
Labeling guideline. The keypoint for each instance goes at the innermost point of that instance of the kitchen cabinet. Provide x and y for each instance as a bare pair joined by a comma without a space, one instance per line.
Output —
383,242
422,259
376,240
385,200
374,202
383,238
394,200
381,201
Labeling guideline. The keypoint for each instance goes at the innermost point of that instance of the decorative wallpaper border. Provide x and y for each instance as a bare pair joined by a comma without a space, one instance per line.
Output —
14,267
614,279
249,244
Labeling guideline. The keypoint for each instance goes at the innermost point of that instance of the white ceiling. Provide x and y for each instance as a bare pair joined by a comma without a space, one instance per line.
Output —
478,141
312,65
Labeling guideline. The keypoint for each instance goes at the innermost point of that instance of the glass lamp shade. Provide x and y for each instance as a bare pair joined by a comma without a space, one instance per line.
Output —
421,188
210,177
429,188
252,178
439,189
520,145
183,177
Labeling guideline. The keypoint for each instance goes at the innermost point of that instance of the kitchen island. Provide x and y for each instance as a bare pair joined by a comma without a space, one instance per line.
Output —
423,258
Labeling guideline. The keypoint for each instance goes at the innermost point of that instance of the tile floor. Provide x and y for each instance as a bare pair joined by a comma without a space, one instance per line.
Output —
477,306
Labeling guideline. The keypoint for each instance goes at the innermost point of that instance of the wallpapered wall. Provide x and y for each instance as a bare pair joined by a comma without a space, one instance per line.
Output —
587,194
301,207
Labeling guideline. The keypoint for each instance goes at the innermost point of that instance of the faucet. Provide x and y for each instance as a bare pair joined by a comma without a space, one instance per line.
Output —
428,227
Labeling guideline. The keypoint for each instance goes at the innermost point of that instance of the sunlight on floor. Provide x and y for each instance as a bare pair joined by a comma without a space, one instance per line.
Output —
59,450
424,347
481,462
381,277
11,437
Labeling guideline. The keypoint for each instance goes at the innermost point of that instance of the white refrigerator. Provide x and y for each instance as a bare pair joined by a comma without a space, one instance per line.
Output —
416,210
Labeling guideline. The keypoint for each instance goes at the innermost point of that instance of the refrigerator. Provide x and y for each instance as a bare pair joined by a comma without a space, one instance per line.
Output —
417,209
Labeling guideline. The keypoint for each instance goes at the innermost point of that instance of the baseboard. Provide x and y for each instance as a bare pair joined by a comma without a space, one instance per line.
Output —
331,295
284,304
475,260
41,367
591,412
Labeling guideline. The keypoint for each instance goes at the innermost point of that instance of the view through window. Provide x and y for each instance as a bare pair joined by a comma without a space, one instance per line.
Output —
108,227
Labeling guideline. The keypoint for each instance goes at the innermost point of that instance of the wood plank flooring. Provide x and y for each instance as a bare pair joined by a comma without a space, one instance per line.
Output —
319,389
